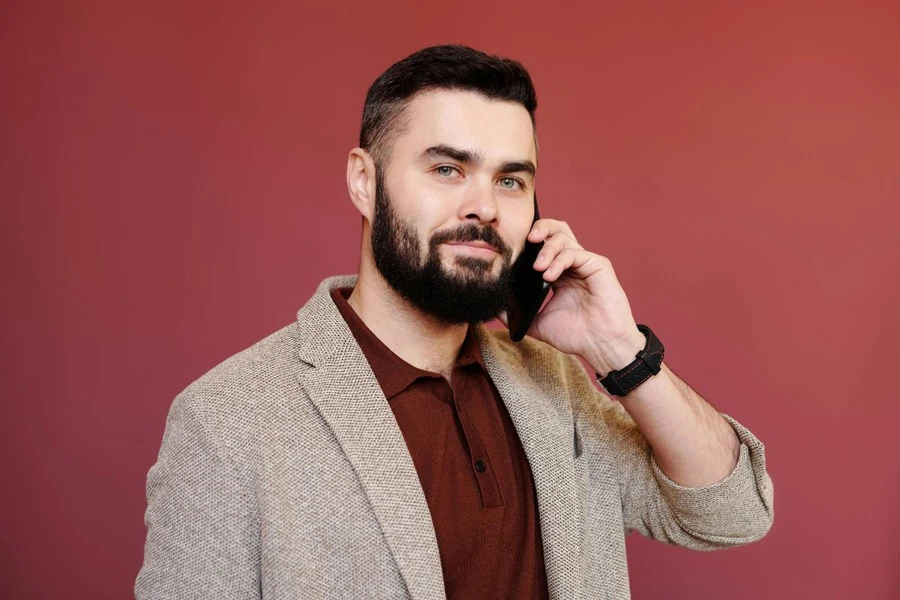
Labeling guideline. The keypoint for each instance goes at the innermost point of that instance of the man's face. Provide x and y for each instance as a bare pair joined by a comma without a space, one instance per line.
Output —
454,204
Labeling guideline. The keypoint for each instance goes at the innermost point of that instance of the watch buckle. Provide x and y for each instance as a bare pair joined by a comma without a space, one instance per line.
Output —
645,358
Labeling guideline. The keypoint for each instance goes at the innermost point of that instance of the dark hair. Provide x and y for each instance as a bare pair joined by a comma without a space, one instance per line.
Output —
439,67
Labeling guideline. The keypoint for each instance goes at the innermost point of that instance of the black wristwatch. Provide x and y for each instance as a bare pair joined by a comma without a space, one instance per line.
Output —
648,361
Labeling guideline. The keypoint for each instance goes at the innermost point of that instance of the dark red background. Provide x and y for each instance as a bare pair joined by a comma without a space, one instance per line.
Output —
173,190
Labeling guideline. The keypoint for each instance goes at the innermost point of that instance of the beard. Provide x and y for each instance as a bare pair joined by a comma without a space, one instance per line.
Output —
468,294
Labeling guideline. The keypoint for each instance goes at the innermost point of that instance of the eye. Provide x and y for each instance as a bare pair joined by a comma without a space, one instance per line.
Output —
510,183
446,170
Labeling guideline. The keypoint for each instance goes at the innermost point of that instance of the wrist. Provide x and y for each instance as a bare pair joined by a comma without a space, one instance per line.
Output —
610,356
647,363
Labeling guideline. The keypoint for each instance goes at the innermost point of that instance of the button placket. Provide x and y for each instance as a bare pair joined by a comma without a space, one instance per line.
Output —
481,463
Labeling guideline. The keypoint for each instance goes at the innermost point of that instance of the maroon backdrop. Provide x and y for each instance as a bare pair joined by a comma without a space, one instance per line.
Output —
173,190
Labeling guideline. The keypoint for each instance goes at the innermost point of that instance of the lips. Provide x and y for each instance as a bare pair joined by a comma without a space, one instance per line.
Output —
476,244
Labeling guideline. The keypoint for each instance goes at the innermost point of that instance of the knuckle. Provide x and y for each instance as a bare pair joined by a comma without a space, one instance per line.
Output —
604,262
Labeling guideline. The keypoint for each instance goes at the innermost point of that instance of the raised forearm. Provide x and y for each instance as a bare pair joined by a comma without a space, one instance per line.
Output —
693,444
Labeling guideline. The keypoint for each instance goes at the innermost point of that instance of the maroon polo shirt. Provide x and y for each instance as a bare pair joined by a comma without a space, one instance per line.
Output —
470,462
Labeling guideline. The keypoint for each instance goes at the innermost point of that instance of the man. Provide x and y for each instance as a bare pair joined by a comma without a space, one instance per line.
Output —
388,445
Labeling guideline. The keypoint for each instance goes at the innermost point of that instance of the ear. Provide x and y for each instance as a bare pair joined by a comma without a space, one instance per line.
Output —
361,182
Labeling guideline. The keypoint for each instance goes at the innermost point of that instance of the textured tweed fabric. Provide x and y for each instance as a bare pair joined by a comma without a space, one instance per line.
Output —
283,474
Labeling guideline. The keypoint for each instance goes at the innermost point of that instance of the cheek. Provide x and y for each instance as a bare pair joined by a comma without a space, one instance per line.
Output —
421,205
519,227
436,217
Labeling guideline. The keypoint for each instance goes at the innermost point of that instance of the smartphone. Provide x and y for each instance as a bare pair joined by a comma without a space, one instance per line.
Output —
529,290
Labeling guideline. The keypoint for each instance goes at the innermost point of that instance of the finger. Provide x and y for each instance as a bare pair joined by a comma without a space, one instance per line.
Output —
552,247
572,259
544,228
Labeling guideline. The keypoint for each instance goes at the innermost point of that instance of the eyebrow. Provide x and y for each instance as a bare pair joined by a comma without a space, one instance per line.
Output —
476,158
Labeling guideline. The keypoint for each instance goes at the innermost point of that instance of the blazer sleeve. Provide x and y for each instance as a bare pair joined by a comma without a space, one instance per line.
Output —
202,537
736,510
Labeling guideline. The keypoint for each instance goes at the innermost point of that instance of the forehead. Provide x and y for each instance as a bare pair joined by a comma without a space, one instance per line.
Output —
498,129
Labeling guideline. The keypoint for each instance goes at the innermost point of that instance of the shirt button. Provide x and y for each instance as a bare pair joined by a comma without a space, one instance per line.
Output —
479,466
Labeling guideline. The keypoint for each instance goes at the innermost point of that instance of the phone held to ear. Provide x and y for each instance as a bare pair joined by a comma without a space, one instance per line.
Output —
529,290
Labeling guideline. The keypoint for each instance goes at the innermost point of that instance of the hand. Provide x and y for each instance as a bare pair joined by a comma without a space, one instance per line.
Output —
588,314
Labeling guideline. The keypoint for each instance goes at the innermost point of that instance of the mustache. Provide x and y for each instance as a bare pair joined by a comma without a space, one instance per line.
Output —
472,233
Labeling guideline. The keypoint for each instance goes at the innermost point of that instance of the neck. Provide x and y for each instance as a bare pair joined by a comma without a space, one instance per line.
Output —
416,337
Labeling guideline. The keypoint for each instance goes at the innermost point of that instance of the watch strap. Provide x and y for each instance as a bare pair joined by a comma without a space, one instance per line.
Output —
647,362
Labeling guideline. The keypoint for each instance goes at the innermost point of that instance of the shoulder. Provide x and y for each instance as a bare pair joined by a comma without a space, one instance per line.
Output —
226,398
252,370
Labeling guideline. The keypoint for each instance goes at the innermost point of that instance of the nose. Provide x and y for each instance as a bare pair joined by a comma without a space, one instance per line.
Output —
479,204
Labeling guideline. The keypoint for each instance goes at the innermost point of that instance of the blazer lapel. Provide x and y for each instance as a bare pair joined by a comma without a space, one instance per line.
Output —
546,430
346,393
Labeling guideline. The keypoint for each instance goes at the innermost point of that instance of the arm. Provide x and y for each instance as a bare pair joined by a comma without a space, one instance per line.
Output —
721,494
202,536
735,509
693,444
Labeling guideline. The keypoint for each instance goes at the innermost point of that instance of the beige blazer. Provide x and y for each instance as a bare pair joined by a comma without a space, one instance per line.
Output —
283,474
